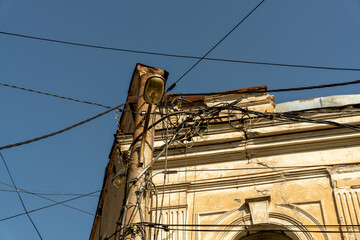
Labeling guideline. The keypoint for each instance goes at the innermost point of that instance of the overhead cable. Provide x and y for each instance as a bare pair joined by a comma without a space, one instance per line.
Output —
217,44
20,198
67,128
51,205
270,90
264,229
295,118
244,225
247,228
48,193
35,194
54,95
177,55
285,116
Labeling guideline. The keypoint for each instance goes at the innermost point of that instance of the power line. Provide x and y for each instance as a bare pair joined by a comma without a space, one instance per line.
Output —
67,128
51,205
295,118
248,228
217,44
21,200
54,95
245,225
48,194
35,194
286,116
67,98
177,55
57,202
265,229
282,64
271,90
190,94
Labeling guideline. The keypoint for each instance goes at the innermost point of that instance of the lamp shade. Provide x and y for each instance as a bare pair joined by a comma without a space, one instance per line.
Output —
154,89
119,179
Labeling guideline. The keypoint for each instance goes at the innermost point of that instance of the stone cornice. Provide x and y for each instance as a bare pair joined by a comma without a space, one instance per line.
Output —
247,180
262,147
223,143
223,132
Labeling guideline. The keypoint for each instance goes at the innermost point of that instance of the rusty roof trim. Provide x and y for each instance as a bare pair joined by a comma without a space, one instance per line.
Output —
201,97
262,88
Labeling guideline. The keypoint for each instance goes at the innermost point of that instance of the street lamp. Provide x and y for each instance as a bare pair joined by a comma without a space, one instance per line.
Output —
149,83
153,92
154,89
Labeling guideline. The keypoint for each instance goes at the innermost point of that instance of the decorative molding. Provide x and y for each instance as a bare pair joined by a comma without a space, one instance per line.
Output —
279,221
172,215
246,180
259,209
308,215
348,208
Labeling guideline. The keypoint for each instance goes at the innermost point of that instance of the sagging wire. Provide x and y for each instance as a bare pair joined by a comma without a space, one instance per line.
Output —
156,231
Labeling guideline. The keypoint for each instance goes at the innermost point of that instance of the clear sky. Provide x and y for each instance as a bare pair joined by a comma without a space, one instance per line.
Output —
305,32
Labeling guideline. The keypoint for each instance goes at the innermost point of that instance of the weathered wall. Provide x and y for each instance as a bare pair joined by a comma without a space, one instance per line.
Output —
300,178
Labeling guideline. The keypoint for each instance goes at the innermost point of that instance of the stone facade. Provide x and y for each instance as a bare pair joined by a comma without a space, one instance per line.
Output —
244,177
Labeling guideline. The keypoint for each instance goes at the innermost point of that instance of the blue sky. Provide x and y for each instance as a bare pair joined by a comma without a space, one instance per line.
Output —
306,32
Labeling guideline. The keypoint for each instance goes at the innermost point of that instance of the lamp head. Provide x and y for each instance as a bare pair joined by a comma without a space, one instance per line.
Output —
119,180
154,89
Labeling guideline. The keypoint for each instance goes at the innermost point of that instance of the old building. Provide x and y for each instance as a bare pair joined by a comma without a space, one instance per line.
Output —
234,165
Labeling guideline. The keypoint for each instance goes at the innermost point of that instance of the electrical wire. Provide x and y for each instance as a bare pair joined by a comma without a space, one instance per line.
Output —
54,95
176,55
267,230
247,228
67,128
48,194
20,198
212,111
246,225
23,190
285,116
179,128
137,207
67,98
295,118
51,205
206,115
270,90
156,232
217,44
